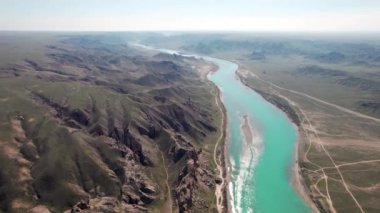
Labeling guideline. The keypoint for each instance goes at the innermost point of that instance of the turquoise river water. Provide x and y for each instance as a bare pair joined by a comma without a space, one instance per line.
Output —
260,171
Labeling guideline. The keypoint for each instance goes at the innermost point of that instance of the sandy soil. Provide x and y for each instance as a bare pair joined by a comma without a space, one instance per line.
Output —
204,68
247,129
297,180
219,156
221,192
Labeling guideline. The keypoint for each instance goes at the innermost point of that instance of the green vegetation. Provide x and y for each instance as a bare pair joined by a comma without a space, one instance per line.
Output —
86,117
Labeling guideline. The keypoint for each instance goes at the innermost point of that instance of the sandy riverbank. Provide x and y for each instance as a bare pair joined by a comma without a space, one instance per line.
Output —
205,68
247,129
221,153
297,179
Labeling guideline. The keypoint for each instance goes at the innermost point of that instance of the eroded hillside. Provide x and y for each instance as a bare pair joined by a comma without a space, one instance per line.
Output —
90,124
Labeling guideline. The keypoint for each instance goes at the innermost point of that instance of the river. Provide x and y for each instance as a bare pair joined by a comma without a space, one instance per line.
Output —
260,169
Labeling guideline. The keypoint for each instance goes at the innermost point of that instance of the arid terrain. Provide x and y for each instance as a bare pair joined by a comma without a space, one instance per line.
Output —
329,87
88,123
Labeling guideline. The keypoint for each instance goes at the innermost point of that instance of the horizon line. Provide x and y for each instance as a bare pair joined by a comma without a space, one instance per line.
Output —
196,31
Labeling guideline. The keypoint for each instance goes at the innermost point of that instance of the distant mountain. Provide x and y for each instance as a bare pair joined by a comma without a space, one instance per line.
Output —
331,57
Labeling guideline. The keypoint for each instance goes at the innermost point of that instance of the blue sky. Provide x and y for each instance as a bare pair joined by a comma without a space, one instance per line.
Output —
235,15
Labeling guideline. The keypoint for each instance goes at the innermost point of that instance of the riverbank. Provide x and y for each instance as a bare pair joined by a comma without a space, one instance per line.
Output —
298,180
221,153
221,192
284,105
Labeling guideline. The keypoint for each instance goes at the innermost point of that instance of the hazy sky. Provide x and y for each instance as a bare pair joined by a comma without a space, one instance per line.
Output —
220,15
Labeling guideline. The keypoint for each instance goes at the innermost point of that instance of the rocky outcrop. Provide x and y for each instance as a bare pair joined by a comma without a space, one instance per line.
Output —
81,205
72,117
152,132
180,148
186,185
106,205
133,143
192,175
